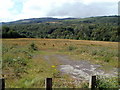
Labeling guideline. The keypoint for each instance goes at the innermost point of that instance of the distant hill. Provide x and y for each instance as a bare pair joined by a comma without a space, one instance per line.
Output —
36,20
100,19
102,28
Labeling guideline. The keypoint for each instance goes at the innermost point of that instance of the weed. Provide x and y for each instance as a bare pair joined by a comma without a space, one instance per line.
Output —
56,75
107,82
33,47
70,48
20,56
85,85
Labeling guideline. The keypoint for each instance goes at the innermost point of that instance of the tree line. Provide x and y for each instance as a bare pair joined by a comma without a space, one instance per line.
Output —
98,28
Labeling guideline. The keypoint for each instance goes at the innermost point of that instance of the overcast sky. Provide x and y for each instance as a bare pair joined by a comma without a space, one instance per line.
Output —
11,10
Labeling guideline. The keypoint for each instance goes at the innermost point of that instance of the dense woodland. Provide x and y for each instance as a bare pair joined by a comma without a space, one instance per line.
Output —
104,28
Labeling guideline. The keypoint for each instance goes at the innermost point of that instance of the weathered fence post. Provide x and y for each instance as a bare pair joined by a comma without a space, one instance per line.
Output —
2,84
48,83
92,82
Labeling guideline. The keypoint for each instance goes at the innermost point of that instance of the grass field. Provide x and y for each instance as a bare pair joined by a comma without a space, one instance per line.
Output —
24,64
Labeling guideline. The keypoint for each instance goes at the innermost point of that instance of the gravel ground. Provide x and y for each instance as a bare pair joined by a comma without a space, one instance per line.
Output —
80,69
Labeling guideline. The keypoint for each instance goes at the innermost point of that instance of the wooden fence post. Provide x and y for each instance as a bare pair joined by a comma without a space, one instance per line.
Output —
2,84
92,82
48,83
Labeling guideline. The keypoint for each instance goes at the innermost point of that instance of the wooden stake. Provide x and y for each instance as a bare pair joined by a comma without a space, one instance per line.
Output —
92,82
2,84
48,83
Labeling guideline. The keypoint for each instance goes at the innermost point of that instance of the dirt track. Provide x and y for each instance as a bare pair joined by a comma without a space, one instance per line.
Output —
79,69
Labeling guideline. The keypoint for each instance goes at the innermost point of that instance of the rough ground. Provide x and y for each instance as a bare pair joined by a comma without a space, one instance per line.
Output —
79,69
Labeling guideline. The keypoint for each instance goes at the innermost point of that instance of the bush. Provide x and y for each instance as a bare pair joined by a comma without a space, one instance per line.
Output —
33,47
107,82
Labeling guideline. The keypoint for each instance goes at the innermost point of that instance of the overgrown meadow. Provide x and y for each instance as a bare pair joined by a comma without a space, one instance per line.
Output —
24,65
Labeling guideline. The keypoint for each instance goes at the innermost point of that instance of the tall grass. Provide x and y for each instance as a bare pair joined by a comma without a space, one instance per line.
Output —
107,82
25,59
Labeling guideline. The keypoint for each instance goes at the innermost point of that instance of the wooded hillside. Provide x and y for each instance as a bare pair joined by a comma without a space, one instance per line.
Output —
104,28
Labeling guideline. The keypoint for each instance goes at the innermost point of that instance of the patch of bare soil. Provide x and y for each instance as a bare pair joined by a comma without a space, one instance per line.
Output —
80,69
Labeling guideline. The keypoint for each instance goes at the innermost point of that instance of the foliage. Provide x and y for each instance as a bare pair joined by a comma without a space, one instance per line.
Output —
107,82
31,67
33,47
9,33
95,28
104,83
85,85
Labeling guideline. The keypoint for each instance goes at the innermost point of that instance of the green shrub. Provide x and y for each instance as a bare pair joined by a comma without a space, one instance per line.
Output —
33,47
107,82
104,83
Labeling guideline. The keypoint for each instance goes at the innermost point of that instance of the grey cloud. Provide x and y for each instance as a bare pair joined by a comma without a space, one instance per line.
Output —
81,10
119,8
